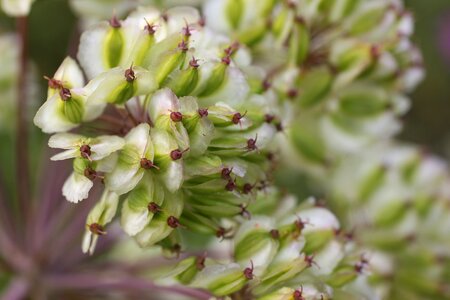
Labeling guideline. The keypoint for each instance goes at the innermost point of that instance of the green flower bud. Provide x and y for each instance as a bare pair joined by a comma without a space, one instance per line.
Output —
314,86
221,280
234,11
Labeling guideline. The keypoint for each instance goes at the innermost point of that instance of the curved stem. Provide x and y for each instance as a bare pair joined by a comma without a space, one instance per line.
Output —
112,281
22,164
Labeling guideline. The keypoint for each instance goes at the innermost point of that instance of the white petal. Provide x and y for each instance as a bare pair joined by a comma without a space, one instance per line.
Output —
71,153
163,102
133,221
177,18
150,235
105,210
233,91
90,50
105,145
86,244
108,163
17,8
65,140
70,74
139,137
122,180
173,176
215,16
50,119
76,187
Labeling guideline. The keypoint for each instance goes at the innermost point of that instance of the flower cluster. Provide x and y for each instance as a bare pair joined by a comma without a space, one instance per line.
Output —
343,66
400,203
183,133
299,252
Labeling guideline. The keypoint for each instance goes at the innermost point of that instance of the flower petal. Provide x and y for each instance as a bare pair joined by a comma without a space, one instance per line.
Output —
50,119
65,140
105,145
76,187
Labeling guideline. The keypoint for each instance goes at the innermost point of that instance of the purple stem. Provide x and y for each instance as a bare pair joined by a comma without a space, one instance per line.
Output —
22,165
17,290
119,282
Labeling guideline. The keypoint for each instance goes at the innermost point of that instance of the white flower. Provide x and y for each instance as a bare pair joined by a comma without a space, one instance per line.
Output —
102,213
17,8
76,145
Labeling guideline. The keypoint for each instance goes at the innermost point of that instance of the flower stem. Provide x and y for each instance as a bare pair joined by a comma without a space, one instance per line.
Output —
22,164
126,282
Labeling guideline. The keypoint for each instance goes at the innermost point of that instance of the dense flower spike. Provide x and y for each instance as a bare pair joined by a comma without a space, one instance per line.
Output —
348,66
308,262
399,193
178,109
178,119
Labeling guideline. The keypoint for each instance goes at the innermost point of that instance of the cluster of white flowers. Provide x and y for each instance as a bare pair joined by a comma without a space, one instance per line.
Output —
399,207
188,130
176,117
343,66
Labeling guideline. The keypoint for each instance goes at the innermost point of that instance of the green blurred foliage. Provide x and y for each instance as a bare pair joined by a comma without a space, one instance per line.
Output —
428,122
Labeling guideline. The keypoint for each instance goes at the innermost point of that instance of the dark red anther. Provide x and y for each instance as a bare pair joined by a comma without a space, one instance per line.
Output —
375,51
275,234
247,188
147,164
177,154
183,46
266,85
226,172
244,212
271,156
268,118
203,112
231,49
186,31
309,259
153,207
236,118
279,127
220,232
251,143
292,93
176,248
150,28
114,22
129,74
226,60
248,272
176,116
200,262
359,266
90,173
299,20
97,229
65,94
85,151
173,222
300,224
298,294
194,63
54,83
165,17
231,185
